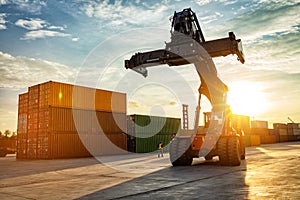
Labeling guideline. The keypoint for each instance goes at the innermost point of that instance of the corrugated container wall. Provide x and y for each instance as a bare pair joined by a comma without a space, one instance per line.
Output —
70,96
293,128
259,124
22,126
259,127
145,132
282,131
49,127
293,131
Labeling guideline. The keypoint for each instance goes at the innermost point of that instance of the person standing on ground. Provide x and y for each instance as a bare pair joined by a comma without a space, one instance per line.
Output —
160,149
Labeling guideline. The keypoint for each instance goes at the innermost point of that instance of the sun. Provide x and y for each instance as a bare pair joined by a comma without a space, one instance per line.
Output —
246,98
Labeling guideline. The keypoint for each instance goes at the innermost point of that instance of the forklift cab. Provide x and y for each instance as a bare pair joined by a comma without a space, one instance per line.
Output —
227,129
186,22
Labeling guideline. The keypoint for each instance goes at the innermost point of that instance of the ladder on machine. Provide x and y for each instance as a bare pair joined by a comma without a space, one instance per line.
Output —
185,117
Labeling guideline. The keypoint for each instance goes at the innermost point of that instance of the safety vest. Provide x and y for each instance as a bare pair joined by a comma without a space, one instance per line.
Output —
160,146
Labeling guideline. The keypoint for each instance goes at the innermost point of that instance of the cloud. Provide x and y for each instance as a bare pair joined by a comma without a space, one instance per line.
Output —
34,7
2,21
203,2
75,39
267,19
118,13
2,27
21,72
3,2
269,33
56,27
32,35
37,29
31,24
211,18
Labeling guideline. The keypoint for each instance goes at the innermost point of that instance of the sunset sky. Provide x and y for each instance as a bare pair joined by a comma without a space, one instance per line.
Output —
86,42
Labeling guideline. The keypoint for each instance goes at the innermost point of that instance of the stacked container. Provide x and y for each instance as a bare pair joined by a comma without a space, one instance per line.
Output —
63,121
293,131
281,130
145,132
261,129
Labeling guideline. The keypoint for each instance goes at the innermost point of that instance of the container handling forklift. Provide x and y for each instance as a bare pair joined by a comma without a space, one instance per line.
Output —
187,46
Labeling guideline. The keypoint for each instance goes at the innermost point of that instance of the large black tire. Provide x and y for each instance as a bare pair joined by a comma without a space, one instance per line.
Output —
180,152
229,151
234,151
222,146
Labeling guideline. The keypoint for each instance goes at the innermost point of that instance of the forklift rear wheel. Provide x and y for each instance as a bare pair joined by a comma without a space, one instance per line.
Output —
234,151
222,151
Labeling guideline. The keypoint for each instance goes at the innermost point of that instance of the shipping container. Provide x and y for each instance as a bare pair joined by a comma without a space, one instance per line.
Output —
251,140
259,131
259,124
241,122
22,126
293,125
282,130
141,125
53,118
57,94
71,145
283,138
71,123
268,139
293,129
292,138
247,140
145,132
146,145
277,126
275,133
255,140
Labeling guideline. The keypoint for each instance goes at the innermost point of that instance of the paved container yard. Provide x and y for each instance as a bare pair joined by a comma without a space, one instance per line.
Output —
269,172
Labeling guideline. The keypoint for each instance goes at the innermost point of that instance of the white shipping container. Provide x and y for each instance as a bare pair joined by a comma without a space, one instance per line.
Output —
296,131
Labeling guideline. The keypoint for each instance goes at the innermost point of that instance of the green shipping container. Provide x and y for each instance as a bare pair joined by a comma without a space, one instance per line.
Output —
147,131
146,145
144,124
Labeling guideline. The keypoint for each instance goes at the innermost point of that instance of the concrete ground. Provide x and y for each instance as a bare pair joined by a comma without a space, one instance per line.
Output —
269,172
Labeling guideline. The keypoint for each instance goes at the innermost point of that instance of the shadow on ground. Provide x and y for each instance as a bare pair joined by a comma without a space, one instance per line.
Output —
12,167
203,180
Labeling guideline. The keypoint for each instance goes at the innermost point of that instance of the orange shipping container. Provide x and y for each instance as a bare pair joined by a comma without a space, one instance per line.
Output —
259,131
283,138
53,108
57,94
59,130
22,126
268,139
255,140
70,145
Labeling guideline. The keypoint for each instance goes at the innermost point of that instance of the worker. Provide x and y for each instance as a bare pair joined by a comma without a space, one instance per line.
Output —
160,150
